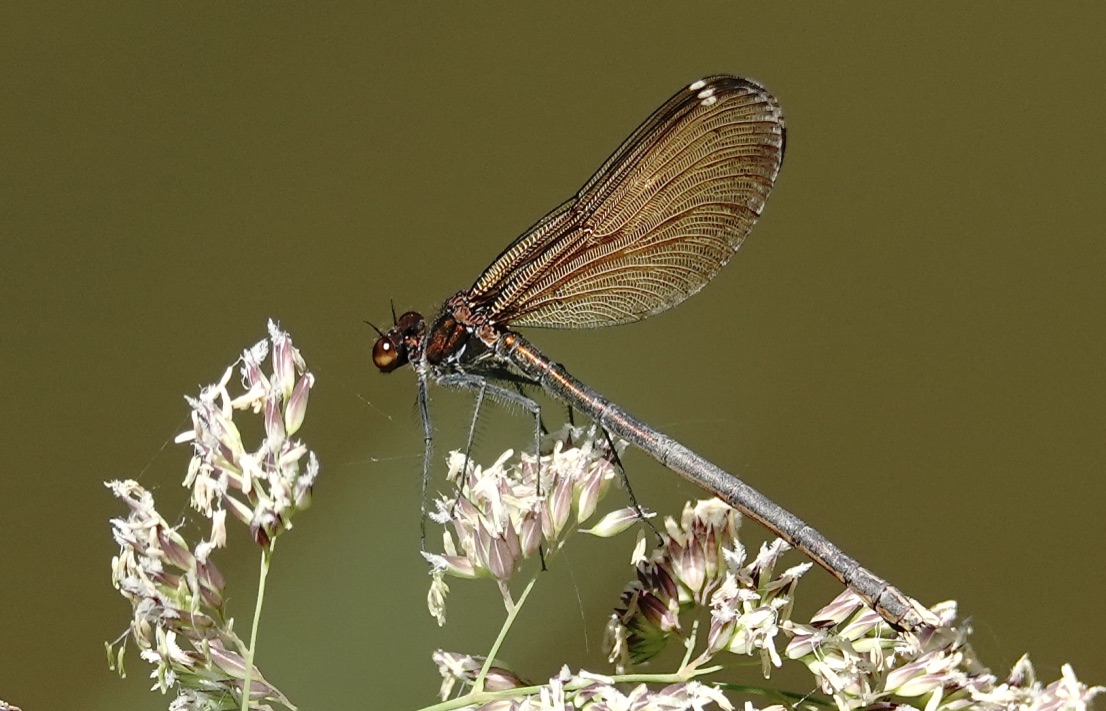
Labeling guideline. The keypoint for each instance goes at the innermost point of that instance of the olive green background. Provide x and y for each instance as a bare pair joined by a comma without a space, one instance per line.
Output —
908,351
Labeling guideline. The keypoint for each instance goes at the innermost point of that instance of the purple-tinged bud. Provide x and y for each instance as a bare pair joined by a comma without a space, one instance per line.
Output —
720,635
692,571
589,494
560,506
807,639
864,622
656,611
530,535
837,611
175,549
265,525
284,367
500,556
500,679
274,424
241,511
613,523
922,675
296,408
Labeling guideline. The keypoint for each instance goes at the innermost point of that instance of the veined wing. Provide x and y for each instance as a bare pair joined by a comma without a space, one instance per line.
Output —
655,223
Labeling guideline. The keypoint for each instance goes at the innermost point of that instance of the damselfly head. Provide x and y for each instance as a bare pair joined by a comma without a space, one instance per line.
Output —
394,348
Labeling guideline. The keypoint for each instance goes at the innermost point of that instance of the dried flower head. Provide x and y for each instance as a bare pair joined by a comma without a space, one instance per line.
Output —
699,569
857,659
699,564
502,516
179,620
179,623
861,662
265,486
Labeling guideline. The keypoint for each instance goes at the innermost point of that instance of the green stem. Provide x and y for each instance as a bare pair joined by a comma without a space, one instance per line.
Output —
266,556
478,687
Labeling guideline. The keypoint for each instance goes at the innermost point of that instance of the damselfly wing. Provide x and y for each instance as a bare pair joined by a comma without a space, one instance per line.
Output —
654,224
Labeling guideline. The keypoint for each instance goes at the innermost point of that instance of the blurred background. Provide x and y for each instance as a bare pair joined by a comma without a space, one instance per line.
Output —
907,352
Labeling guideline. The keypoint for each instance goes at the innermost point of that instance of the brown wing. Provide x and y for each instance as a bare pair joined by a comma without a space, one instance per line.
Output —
655,223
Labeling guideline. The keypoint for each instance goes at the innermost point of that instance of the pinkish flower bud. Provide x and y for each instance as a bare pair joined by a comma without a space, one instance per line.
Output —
614,523
296,408
284,367
274,424
560,506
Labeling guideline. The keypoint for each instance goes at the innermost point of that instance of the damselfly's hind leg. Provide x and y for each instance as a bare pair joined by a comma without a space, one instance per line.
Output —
617,461
626,482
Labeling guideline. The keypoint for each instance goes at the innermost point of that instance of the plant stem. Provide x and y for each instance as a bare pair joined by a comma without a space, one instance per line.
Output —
478,686
266,556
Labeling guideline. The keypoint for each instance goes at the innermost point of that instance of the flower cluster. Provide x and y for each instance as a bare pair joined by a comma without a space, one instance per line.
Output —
265,486
857,659
700,563
504,513
700,570
179,620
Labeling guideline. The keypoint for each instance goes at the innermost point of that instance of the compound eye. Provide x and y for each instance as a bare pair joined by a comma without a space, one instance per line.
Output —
385,355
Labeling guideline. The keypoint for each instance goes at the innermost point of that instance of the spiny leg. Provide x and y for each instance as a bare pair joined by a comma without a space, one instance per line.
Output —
483,386
541,424
617,461
481,390
428,443
626,482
